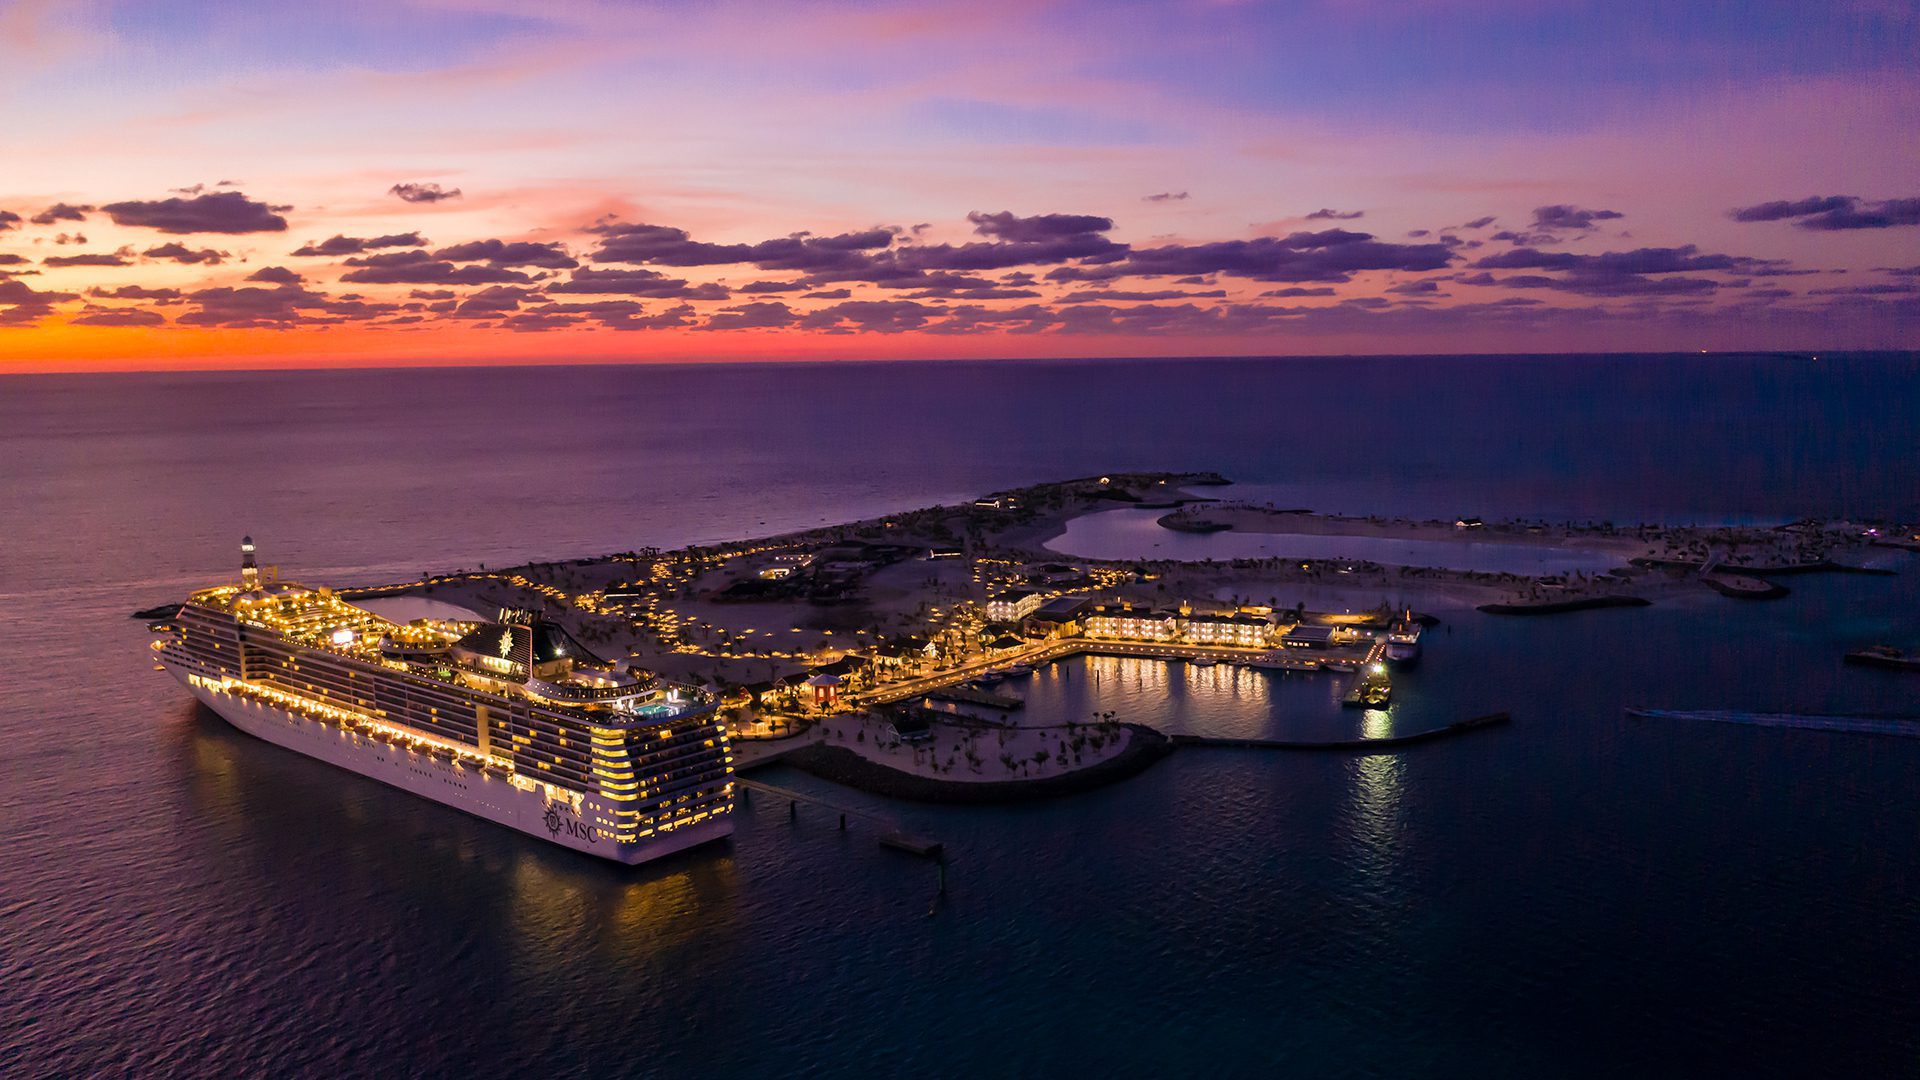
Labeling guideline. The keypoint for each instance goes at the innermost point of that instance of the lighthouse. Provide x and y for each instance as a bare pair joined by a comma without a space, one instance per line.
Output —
249,571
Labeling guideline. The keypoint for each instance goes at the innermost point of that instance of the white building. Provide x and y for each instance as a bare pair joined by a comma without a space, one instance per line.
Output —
1013,605
1246,631
1130,623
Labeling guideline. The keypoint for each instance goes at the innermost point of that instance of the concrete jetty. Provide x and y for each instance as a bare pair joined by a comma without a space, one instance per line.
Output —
1362,745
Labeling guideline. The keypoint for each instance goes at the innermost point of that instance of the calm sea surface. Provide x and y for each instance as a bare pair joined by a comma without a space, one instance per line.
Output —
1576,895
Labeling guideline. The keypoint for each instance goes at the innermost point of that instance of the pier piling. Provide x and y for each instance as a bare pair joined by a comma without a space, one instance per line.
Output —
892,835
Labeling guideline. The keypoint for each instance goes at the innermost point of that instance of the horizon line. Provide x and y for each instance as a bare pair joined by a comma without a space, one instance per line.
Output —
297,365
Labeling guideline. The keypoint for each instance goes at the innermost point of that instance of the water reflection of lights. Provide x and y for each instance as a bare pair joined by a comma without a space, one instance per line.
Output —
1375,811
560,910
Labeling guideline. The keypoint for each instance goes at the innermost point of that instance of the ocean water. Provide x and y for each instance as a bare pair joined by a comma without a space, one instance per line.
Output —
1578,894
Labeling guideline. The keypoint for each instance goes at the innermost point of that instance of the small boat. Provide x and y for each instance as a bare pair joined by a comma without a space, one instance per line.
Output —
1885,656
1016,670
1203,661
1341,665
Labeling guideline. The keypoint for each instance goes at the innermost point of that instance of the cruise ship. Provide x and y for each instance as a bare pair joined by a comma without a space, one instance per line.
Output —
511,720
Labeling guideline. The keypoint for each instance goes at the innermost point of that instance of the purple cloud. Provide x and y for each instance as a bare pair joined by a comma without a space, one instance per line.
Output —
349,245
1166,196
1616,273
1335,215
23,305
220,212
666,246
181,253
1040,228
416,267
646,283
493,301
1333,255
763,314
137,292
1129,296
115,259
871,316
1561,216
616,314
277,308
276,275
119,317
61,212
1639,261
1834,213
422,193
501,253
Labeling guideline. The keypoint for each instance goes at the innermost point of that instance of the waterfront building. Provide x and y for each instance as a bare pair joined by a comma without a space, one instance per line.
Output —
1241,629
826,688
1060,616
1127,623
1013,605
1303,636
904,652
512,720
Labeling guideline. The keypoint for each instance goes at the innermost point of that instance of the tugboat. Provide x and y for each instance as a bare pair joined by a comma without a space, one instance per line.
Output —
1885,656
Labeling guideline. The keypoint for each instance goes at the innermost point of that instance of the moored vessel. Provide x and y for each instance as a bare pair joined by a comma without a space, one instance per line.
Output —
511,719
1885,656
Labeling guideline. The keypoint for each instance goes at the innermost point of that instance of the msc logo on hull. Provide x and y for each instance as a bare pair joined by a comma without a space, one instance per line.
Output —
558,823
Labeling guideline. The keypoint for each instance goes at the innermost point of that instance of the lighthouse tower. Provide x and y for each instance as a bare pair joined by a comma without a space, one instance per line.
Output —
249,571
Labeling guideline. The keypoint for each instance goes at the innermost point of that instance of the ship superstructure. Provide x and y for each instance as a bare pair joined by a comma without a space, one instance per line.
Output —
510,719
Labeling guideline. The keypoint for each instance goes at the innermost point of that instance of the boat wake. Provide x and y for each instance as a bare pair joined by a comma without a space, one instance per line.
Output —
1908,726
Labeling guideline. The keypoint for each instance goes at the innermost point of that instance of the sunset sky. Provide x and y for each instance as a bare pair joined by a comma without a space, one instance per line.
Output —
214,184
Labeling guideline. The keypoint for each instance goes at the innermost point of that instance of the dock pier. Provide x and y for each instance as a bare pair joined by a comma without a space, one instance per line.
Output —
1362,745
891,836
971,696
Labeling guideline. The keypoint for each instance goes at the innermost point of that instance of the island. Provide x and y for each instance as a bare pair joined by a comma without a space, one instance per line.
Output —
876,653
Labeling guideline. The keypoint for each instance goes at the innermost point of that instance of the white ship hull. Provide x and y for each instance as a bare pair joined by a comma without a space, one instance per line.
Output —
465,788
